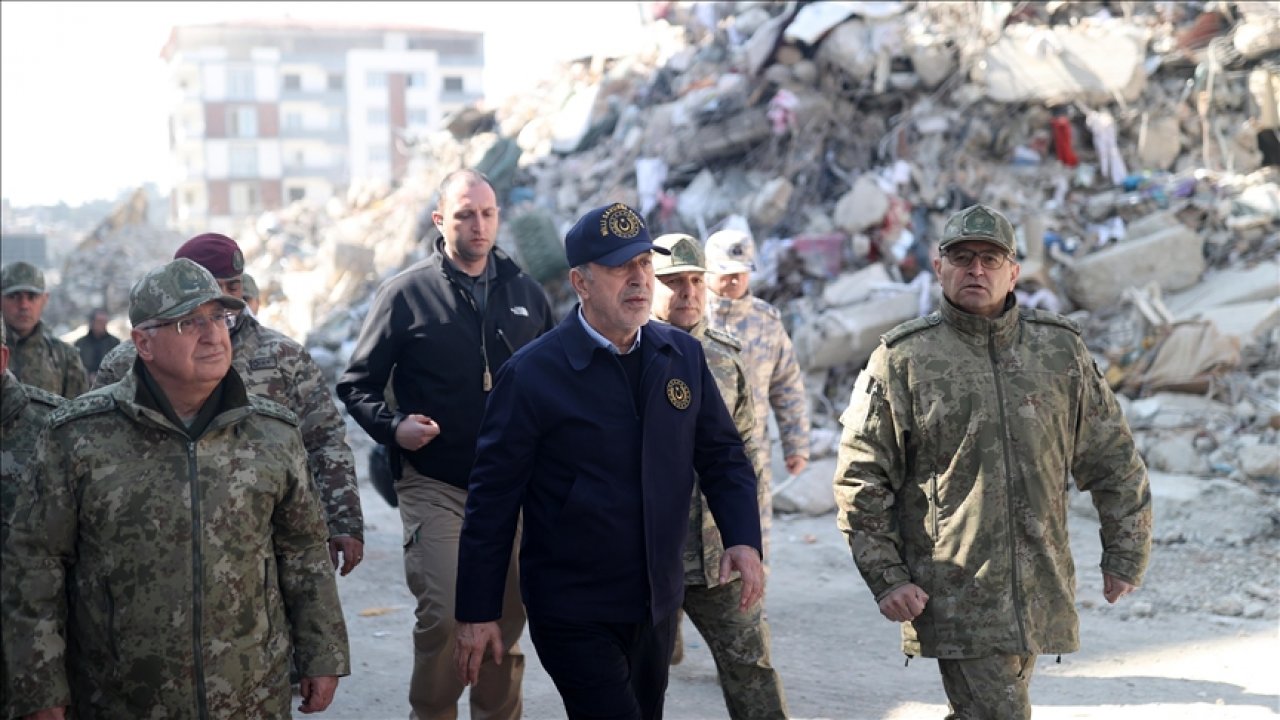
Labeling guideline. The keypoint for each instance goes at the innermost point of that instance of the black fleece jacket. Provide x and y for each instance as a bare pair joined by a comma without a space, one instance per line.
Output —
424,325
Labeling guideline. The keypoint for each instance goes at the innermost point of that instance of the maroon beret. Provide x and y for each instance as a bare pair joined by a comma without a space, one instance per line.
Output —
218,254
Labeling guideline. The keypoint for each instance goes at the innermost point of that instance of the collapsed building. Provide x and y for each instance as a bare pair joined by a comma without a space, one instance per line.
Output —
1133,146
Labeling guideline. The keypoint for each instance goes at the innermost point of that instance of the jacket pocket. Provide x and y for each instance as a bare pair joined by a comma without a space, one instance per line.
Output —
267,604
411,533
113,643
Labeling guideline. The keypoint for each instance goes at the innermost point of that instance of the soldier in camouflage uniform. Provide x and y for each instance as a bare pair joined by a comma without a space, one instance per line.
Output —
250,294
37,358
23,410
276,367
959,441
776,382
739,641
172,556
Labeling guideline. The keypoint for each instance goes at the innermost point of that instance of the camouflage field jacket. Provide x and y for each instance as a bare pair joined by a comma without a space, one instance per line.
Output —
153,576
703,548
42,360
959,443
278,368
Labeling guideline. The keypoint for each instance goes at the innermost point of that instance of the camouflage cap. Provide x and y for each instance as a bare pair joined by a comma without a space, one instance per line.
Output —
980,223
730,251
174,290
248,287
685,255
21,277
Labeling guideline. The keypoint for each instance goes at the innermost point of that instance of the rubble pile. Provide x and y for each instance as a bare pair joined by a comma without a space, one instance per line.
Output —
1135,153
103,266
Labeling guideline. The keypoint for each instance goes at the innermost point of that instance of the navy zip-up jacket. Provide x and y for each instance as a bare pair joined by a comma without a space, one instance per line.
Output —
604,486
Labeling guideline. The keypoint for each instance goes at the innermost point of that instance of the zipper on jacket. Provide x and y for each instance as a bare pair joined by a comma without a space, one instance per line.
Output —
933,505
197,575
486,381
503,337
1009,479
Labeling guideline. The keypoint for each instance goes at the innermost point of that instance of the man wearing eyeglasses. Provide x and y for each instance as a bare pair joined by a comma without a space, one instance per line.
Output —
171,556
275,366
960,440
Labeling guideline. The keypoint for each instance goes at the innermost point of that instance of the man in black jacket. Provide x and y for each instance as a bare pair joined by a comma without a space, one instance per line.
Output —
445,325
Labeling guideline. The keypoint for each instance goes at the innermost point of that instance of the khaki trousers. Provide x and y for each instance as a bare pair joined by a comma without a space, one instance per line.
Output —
432,512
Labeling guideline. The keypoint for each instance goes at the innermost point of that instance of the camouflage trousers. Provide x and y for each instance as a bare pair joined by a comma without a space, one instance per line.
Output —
739,642
989,688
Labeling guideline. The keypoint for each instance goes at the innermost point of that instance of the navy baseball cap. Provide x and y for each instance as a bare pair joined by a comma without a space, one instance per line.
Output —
609,235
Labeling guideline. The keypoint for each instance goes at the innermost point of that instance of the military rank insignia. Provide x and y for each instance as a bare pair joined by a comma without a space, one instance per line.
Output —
678,394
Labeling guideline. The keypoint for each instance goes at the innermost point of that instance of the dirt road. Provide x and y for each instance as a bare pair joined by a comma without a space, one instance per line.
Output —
840,660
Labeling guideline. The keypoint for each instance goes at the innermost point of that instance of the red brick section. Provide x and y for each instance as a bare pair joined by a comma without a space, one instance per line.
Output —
268,120
270,192
215,120
219,197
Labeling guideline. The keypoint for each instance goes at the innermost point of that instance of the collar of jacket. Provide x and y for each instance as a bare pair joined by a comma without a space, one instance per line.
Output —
580,348
13,341
235,403
504,266
246,326
12,397
978,329
728,308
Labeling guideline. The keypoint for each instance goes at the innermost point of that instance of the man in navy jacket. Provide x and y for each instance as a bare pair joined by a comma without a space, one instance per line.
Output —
595,431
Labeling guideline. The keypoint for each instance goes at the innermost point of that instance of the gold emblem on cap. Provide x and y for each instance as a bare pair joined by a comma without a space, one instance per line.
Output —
620,220
678,394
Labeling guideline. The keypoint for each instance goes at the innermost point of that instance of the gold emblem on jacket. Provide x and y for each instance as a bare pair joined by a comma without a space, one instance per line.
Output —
678,394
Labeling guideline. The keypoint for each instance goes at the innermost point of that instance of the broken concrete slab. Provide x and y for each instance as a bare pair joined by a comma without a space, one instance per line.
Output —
1244,321
1225,287
1091,62
848,334
1173,258
863,206
810,493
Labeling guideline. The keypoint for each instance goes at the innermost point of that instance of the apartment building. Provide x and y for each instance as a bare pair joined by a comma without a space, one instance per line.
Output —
266,113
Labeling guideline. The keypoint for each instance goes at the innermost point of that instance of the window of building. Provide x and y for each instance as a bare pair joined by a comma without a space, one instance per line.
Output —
299,158
376,79
336,81
379,152
417,116
378,116
242,121
418,80
240,83
452,83
296,194
244,198
292,81
293,121
242,160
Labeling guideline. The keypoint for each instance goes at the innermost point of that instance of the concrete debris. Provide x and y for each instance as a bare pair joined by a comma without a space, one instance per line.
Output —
1136,156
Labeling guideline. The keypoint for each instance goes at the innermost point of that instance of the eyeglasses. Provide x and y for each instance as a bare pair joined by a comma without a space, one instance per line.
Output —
964,258
197,324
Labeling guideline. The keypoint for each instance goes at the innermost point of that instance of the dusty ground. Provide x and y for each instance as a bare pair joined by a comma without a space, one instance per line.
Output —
1163,656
